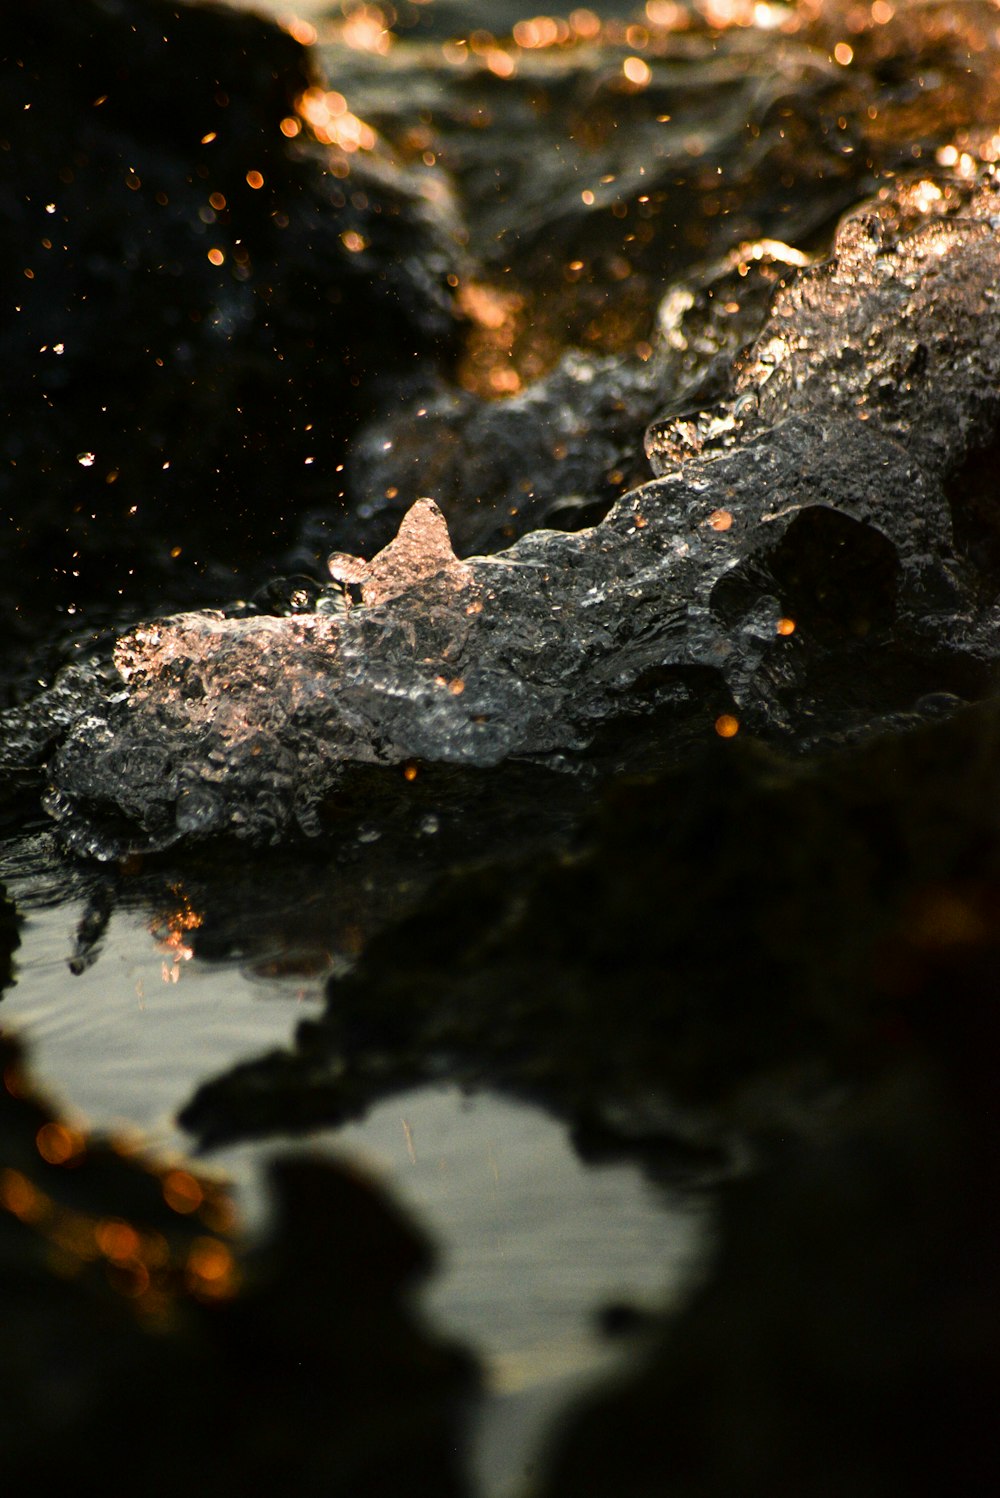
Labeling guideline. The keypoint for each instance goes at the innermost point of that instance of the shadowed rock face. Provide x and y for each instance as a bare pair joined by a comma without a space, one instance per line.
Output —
818,490
168,256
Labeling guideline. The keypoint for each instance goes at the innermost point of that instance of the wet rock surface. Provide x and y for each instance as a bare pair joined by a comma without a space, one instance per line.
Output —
816,494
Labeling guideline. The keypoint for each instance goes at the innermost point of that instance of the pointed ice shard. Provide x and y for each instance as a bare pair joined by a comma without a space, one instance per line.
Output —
421,549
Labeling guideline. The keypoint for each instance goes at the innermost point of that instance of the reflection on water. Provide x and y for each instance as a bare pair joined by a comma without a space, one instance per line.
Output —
122,1039
534,1245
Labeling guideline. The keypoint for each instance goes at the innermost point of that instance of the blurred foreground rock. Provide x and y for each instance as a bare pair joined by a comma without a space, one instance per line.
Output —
138,1337
847,1343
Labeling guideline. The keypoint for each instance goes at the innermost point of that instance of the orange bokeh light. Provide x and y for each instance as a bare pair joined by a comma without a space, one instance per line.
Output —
182,1192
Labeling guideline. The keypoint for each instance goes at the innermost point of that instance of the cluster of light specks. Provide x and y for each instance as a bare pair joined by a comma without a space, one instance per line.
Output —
510,348
651,32
963,162
151,1267
326,113
171,931
661,20
496,315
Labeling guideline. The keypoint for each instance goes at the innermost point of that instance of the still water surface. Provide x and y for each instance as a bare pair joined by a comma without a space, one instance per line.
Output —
532,1242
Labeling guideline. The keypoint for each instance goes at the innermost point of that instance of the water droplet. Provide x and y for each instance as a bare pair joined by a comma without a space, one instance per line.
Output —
198,808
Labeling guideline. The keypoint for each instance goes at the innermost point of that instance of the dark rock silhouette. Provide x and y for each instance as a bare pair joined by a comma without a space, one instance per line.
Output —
138,1333
170,257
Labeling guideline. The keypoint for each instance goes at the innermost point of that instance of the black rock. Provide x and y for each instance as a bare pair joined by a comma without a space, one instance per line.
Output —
192,301
820,494
730,950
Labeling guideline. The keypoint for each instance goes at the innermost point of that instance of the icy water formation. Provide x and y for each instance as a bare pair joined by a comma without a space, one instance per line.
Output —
500,599
869,386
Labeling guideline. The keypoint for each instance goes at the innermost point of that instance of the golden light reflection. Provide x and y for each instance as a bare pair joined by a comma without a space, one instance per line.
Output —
726,726
117,1239
182,1192
366,26
511,343
325,111
146,1267
488,305
637,72
19,1197
211,1270
170,930
585,23
720,520
543,31
496,315
366,30
501,63
57,1144
666,15
303,31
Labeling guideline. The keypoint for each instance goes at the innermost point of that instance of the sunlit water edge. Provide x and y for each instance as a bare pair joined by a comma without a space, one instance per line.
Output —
532,1243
